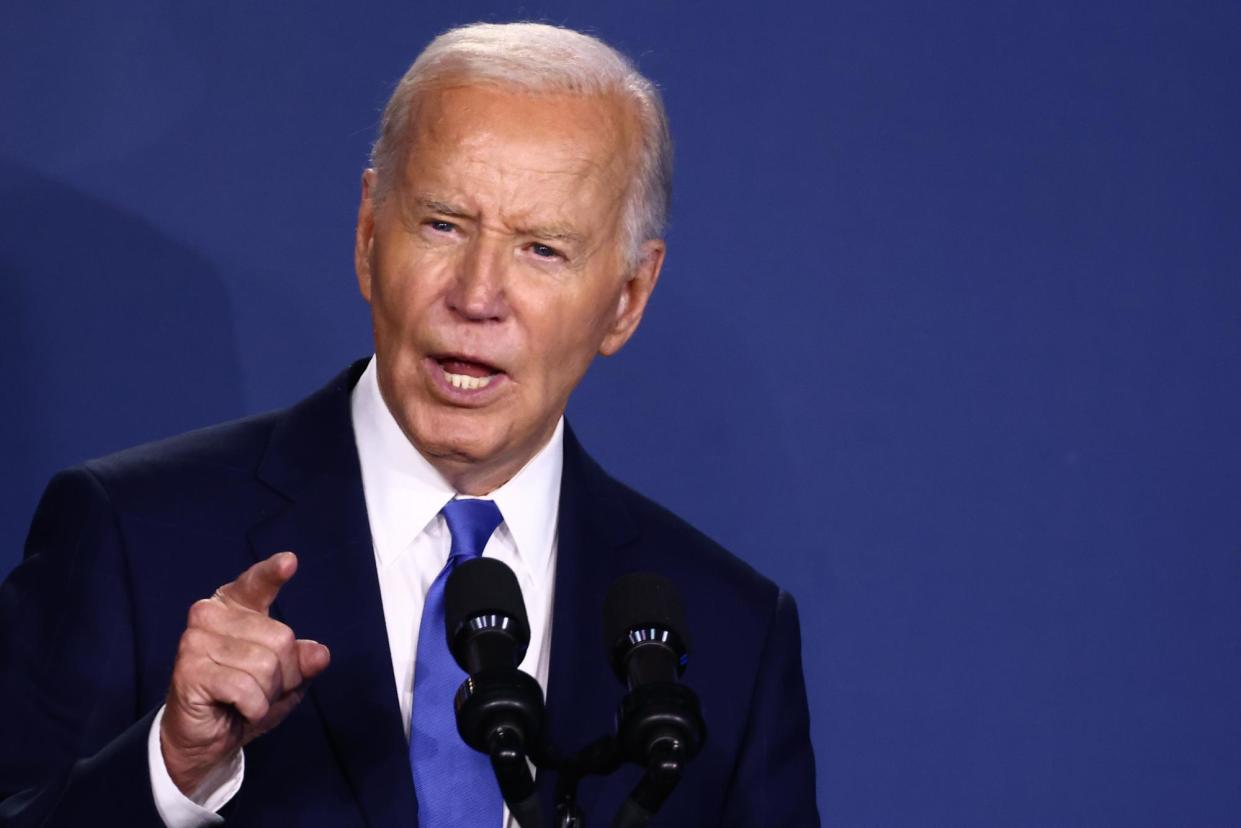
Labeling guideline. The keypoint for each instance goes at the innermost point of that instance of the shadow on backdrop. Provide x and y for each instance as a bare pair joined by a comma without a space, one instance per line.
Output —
111,334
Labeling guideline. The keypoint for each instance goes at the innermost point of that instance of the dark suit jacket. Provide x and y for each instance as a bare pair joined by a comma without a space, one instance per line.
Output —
120,547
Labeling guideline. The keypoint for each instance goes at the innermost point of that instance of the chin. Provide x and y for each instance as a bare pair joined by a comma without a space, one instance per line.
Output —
453,436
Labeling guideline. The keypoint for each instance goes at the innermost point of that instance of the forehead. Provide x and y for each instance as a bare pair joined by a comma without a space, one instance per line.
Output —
520,150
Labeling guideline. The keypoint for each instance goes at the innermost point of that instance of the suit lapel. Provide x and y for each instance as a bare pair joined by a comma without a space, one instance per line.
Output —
335,598
582,690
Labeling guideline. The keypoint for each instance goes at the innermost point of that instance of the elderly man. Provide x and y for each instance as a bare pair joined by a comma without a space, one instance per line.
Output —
509,230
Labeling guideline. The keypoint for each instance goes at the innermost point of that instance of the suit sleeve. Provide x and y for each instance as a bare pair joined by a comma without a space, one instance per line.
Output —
73,743
773,785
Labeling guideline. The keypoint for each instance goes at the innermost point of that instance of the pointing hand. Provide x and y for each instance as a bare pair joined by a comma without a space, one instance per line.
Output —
238,673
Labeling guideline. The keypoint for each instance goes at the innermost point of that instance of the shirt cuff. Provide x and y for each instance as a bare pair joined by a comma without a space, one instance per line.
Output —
175,808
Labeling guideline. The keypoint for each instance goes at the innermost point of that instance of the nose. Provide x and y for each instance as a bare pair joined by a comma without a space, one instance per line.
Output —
477,292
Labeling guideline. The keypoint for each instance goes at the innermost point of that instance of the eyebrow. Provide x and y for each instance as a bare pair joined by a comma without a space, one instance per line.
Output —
443,207
552,232
549,232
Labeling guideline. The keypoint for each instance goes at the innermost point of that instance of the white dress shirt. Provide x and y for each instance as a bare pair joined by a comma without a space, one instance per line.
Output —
404,496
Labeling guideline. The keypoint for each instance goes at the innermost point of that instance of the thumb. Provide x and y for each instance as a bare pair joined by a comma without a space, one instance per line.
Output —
312,657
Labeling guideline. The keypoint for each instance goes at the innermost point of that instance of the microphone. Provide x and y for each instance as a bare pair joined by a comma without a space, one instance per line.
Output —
485,616
499,708
659,723
644,630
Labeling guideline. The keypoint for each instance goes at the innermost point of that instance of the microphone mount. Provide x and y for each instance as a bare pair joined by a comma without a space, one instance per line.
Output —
500,711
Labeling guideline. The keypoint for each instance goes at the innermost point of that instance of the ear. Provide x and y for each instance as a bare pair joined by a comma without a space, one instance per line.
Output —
631,303
364,235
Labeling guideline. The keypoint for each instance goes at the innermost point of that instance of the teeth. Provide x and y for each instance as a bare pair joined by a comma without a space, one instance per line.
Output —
466,382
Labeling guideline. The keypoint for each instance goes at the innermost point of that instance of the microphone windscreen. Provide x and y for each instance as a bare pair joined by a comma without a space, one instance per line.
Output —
642,599
484,586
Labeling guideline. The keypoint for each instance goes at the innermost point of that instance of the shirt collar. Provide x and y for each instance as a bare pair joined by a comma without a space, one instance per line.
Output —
404,492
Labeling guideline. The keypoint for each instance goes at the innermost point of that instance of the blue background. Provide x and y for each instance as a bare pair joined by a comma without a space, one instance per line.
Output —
948,342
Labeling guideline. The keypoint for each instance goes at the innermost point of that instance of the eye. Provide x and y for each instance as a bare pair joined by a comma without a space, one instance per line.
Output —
440,226
545,252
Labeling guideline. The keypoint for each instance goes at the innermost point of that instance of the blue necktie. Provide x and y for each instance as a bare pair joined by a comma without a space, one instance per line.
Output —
454,783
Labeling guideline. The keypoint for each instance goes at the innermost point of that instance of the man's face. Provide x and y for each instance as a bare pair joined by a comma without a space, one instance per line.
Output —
495,271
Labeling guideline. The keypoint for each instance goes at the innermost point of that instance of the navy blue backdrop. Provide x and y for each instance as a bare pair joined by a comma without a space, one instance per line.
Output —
948,342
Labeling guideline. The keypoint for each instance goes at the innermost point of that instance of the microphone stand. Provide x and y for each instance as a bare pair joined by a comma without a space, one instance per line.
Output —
600,757
508,762
663,772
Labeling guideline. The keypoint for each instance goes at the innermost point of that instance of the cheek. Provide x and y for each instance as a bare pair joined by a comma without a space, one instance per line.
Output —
404,287
569,340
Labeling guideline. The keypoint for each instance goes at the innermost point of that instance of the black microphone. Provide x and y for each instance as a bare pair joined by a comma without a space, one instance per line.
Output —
499,708
485,616
659,723
644,630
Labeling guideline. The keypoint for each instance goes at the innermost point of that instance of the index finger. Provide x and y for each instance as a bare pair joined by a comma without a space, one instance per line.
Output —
256,588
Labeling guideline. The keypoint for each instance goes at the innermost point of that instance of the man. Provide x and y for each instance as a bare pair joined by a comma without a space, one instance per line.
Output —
509,230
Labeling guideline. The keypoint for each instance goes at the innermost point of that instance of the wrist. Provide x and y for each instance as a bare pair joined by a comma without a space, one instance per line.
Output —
189,767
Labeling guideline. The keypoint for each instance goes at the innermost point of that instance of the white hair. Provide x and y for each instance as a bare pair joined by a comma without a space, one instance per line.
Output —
539,58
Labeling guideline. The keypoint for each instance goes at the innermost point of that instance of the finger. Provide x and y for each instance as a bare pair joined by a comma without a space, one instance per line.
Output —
273,674
313,658
228,685
256,588
276,714
235,623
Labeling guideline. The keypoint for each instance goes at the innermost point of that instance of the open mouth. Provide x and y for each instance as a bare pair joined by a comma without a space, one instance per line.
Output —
467,374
